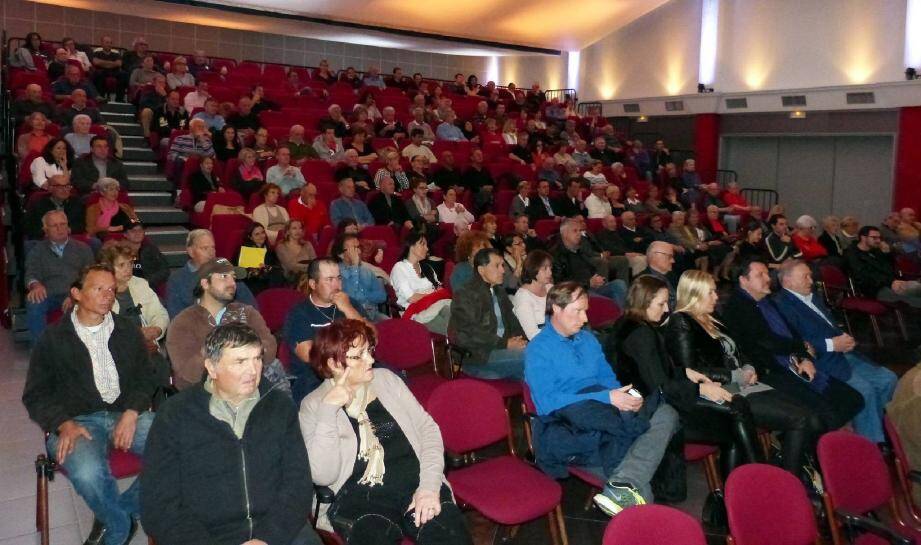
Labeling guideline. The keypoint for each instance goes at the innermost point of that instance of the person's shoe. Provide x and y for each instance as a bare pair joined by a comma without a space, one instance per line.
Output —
616,497
96,534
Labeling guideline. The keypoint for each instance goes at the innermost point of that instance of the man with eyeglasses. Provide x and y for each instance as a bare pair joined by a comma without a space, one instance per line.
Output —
660,258
215,305
59,199
871,265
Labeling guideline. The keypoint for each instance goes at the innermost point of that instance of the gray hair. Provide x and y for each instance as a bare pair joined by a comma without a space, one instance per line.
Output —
81,117
196,234
230,335
47,216
787,267
570,223
805,221
105,184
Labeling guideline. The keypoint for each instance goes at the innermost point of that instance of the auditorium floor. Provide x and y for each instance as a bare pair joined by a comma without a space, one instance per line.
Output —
21,441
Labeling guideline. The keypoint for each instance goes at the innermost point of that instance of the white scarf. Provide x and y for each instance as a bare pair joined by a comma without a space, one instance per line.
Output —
369,448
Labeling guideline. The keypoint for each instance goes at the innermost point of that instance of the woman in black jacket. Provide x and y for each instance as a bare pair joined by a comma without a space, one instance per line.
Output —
709,413
698,341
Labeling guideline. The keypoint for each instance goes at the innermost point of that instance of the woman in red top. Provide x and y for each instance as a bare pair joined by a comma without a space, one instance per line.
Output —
490,133
805,240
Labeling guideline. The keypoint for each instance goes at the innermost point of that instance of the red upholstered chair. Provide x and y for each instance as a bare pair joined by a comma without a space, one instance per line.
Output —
768,506
407,346
384,233
653,525
546,228
504,489
121,464
857,483
202,220
839,293
602,312
274,305
905,475
228,233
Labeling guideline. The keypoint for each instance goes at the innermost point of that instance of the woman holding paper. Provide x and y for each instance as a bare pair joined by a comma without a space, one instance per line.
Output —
259,260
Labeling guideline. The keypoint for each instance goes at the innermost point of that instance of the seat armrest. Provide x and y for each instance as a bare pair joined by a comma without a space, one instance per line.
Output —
324,494
875,527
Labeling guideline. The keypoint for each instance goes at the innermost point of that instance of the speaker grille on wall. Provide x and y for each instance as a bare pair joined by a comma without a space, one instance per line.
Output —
793,100
734,103
861,98
674,106
631,108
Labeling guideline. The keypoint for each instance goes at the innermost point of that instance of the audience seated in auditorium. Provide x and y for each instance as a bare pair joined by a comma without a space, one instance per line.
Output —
107,63
57,64
269,213
449,210
806,240
408,497
698,340
778,242
835,353
196,142
268,272
200,63
571,381
325,303
132,59
309,210
468,244
214,305
286,176
328,146
574,260
168,118
72,79
32,102
245,120
871,264
203,182
247,178
359,280
79,136
151,98
542,207
144,73
323,73
51,267
60,199
182,281
87,170
905,413
294,251
57,158
227,145
848,233
209,114
301,150
263,145
388,208
831,226
349,206
530,300
419,207
78,105
570,204
35,140
180,498
448,129
89,388
150,264
108,214
393,169
28,56
522,227
416,147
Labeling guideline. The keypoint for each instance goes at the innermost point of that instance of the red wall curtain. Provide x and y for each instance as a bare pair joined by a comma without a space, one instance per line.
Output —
907,187
707,145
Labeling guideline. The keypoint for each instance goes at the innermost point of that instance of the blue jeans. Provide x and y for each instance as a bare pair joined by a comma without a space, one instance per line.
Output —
37,314
615,290
876,384
87,468
502,363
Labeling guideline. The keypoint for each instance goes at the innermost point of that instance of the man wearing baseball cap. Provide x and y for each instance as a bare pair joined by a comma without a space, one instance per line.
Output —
214,305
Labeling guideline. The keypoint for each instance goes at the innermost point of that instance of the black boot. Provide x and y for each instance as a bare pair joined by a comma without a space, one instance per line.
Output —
96,534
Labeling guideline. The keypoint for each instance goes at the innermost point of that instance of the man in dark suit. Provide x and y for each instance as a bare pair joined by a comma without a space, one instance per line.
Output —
570,204
97,164
784,360
809,318
636,237
541,207
387,207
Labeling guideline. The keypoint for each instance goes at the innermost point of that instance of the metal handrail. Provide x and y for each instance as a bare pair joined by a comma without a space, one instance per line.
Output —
562,94
725,177
764,198
584,108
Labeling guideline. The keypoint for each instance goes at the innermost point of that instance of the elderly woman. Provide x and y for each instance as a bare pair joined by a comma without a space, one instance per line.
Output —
269,213
36,139
697,340
370,441
806,240
450,210
831,226
57,158
81,136
107,215
293,251
203,182
617,204
419,206
392,168
689,239
248,177
521,201
179,76
133,296
468,244
530,301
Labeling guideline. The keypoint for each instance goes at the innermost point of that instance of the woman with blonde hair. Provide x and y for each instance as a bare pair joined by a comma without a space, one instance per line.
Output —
248,177
270,214
697,340
293,251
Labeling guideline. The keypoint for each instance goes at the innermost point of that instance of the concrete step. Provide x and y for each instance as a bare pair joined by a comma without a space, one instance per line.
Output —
126,128
168,235
135,142
161,215
175,254
140,153
140,167
148,182
117,107
119,117
151,198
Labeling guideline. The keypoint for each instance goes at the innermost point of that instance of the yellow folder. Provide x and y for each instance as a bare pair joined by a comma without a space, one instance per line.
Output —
252,258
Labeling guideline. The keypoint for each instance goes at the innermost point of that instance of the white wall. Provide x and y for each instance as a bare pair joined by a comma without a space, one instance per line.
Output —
784,44
656,55
524,70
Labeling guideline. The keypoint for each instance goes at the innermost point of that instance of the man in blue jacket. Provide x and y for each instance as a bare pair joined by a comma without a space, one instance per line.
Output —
835,355
565,368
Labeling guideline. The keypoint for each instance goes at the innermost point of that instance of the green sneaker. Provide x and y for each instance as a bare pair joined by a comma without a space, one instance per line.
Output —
616,497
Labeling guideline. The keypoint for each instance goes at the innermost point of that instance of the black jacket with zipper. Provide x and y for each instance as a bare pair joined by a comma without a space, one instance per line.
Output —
201,485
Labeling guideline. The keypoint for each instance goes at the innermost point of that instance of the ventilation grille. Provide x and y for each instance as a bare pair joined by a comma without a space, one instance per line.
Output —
632,108
674,106
861,98
793,100
734,103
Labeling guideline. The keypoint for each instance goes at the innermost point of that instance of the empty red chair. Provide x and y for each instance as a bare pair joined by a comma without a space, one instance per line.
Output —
858,483
546,228
407,346
653,525
768,506
384,233
228,233
906,476
316,171
202,220
504,489
274,305
840,294
602,312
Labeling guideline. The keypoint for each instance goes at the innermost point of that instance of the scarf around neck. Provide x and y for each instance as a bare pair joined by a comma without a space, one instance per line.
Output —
369,447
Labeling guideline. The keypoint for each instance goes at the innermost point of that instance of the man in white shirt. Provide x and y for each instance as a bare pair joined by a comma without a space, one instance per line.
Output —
197,98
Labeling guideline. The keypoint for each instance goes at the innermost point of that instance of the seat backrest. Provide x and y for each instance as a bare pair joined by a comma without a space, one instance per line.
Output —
274,305
768,506
526,398
228,233
380,232
855,473
833,277
403,344
602,312
546,228
470,413
898,449
653,525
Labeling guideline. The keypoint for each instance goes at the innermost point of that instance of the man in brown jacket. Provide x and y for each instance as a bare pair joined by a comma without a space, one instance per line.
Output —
215,305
